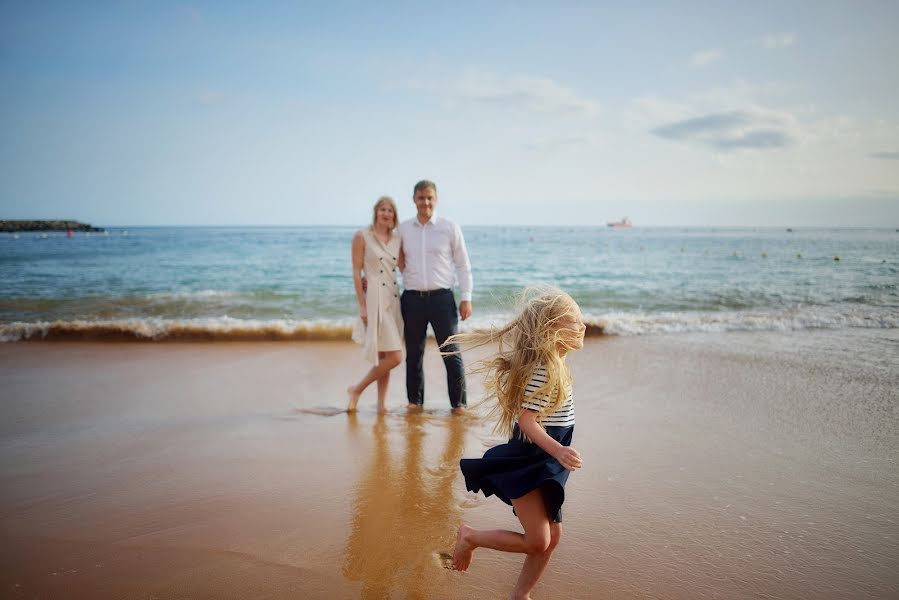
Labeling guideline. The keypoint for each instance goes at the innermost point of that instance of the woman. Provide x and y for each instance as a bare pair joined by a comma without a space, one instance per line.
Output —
376,252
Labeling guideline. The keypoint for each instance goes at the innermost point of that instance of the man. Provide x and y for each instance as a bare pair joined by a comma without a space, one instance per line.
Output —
435,256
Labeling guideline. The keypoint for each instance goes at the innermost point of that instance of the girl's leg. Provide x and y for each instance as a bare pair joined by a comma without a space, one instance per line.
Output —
390,360
535,564
534,541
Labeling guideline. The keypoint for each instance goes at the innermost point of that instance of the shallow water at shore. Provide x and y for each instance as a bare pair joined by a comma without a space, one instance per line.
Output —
294,283
716,466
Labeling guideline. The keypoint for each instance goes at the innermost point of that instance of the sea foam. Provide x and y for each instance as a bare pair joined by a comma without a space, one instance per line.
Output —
620,324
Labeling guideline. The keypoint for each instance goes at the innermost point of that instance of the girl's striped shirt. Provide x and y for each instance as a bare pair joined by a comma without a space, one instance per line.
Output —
564,417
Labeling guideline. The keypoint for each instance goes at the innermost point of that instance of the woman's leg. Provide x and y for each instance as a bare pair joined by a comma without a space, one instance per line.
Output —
383,383
390,360
535,540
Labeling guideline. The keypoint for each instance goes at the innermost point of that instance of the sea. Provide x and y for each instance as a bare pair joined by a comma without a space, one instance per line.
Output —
295,283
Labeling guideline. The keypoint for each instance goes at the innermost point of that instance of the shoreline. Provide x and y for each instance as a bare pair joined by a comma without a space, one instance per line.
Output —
226,329
174,331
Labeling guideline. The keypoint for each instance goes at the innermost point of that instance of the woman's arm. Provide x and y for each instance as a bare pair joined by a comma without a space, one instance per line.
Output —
566,455
401,261
358,257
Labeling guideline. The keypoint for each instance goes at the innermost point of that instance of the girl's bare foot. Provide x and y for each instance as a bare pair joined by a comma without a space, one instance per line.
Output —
464,549
354,398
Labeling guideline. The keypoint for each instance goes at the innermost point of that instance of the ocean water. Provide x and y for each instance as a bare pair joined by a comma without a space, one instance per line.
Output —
296,282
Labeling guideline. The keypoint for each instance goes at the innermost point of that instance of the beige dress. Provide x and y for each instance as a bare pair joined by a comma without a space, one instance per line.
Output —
384,332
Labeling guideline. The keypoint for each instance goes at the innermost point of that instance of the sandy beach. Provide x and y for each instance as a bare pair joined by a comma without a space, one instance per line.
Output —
745,465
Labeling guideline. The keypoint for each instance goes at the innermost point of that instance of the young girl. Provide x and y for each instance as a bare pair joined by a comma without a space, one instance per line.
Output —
532,387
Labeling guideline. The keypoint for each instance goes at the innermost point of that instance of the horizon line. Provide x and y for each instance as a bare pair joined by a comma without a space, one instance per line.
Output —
602,226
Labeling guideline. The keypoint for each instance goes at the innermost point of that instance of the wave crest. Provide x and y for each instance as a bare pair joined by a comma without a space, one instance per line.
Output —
224,329
622,324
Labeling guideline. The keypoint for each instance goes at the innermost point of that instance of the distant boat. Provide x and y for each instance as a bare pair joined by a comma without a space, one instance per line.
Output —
623,223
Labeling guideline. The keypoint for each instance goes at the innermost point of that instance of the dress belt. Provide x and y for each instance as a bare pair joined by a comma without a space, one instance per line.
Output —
426,293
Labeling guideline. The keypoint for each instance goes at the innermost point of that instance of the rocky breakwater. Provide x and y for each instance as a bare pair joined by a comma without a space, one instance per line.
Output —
11,226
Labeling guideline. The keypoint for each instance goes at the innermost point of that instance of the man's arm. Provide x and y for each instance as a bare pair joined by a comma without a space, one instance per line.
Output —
463,273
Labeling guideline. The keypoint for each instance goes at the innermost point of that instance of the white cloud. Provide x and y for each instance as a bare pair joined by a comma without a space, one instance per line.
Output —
774,41
704,58
539,94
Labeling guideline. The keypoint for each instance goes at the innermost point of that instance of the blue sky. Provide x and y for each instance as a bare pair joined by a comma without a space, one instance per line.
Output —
686,113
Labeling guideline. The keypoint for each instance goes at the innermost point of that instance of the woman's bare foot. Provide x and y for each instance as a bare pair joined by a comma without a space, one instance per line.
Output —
464,549
353,398
382,409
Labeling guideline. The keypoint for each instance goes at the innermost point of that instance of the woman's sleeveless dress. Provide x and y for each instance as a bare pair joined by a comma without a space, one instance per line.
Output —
517,467
384,332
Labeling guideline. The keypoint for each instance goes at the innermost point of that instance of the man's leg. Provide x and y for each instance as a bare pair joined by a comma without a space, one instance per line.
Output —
415,327
445,320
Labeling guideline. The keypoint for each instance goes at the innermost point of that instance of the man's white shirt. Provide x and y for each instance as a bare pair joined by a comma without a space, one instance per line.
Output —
435,256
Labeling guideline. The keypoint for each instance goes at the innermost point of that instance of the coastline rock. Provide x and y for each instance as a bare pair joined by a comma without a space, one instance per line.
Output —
11,226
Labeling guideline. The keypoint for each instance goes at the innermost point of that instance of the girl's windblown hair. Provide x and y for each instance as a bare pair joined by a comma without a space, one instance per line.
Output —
533,338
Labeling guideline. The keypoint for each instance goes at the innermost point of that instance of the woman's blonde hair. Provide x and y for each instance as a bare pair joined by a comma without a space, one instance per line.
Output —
533,338
385,200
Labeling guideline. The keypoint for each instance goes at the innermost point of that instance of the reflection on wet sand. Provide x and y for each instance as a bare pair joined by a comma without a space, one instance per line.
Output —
404,512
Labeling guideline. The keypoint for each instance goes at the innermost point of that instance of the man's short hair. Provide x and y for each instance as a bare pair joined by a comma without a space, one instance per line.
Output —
423,185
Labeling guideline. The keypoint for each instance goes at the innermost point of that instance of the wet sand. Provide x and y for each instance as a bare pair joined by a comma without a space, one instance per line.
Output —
715,466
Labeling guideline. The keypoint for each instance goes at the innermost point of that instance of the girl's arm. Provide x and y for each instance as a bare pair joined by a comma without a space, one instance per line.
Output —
358,257
567,456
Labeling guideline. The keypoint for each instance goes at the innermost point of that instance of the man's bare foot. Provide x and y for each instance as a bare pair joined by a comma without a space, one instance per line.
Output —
459,410
414,408
353,398
463,549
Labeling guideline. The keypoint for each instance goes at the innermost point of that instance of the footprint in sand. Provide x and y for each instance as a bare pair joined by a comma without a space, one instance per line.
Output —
446,560
471,502
442,469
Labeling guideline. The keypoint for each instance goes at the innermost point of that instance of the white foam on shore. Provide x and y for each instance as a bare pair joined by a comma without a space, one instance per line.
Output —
623,324
155,329
790,319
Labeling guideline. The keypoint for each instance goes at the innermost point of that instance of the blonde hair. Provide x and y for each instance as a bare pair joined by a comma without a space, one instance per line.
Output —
385,200
533,338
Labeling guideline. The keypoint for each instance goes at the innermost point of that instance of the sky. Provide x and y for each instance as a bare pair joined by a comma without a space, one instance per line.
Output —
523,113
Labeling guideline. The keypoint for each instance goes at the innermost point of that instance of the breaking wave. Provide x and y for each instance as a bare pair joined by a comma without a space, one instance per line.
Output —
621,324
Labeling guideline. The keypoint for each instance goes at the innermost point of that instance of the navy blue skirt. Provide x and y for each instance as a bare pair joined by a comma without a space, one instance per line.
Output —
517,467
